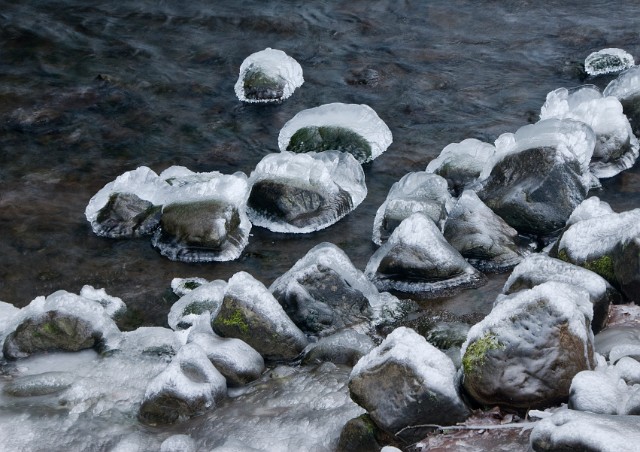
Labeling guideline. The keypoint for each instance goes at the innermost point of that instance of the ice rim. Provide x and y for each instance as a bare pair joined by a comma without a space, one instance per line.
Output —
359,118
624,61
274,63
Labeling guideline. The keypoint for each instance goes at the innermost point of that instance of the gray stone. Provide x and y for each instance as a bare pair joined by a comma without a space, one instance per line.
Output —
330,138
345,347
259,86
125,216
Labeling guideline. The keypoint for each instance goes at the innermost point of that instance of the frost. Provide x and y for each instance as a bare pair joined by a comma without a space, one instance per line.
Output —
283,71
360,119
607,61
627,84
589,208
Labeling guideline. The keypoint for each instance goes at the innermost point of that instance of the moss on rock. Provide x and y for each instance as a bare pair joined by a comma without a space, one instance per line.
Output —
475,354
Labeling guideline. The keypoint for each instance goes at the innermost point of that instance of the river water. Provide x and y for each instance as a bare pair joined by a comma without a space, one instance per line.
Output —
89,90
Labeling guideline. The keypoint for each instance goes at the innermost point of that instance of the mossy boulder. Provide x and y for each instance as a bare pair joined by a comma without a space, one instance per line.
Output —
327,138
126,215
260,86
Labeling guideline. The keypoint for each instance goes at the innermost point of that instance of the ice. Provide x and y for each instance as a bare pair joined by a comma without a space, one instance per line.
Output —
332,174
616,146
113,306
589,208
607,61
204,298
150,340
360,119
182,286
178,443
416,192
627,84
275,64
464,160
7,314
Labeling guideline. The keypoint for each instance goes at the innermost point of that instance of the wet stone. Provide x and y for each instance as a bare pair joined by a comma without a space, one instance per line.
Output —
259,86
126,215
327,138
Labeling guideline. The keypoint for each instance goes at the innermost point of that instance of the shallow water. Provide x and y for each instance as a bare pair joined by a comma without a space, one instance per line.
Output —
91,90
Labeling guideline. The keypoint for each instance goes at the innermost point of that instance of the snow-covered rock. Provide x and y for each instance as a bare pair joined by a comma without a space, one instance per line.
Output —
608,61
627,89
182,286
352,128
604,391
344,347
591,207
205,298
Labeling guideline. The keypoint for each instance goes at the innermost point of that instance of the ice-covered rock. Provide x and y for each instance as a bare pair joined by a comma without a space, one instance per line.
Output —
323,291
113,306
352,128
188,386
481,236
39,384
178,443
60,322
236,360
576,430
627,89
415,192
539,175
608,61
149,341
269,75
591,207
539,268
461,163
525,353
182,286
207,297
604,391
135,442
251,313
418,259
406,382
618,339
616,147
125,216
302,193
344,347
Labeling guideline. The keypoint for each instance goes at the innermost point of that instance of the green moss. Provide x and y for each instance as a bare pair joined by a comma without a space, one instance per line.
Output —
475,354
237,320
191,285
325,138
602,266
563,256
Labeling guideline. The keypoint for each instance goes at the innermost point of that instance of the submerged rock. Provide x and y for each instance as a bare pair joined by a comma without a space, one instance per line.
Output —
607,61
417,259
302,193
525,353
249,312
415,192
352,128
268,76
406,382
345,347
188,386
481,236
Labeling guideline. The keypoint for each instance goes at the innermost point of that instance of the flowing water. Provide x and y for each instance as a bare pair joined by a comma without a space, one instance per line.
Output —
89,90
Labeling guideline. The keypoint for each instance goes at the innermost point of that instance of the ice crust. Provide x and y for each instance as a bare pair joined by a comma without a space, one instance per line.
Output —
589,208
361,119
469,156
275,64
607,61
327,172
181,286
627,84
208,297
113,306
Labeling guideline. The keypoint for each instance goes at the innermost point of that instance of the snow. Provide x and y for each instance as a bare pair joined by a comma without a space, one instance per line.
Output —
209,295
627,84
407,348
607,61
275,64
589,208
360,119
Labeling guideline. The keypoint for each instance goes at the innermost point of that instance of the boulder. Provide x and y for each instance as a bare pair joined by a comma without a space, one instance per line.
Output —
148,341
604,391
417,259
249,312
361,434
329,138
525,353
344,347
207,297
626,88
126,216
406,382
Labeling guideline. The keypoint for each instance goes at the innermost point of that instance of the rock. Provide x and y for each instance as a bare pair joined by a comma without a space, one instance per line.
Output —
249,312
302,193
525,353
539,175
415,192
40,384
481,236
61,322
188,386
114,307
607,61
204,298
575,430
617,339
361,434
182,286
626,266
539,268
345,347
406,382
268,76
591,207
178,443
418,259
626,88
604,391
127,216
323,292
461,163
352,128
236,360
150,341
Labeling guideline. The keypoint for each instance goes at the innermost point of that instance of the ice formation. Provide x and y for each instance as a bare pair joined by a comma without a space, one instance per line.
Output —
182,286
416,192
268,76
204,298
626,86
607,61
301,193
360,119
589,208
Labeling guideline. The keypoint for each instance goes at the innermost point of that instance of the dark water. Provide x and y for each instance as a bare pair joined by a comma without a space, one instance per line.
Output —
89,90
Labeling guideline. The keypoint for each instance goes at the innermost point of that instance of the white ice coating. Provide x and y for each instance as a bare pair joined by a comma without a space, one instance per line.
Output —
150,340
603,114
358,118
275,64
627,84
178,443
327,172
595,237
7,314
470,155
566,301
407,348
607,61
113,306
419,191
180,286
210,293
573,139
589,208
